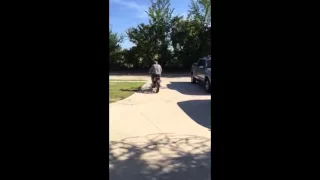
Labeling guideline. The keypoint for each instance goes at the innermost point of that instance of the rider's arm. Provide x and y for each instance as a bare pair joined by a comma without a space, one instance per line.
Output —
150,70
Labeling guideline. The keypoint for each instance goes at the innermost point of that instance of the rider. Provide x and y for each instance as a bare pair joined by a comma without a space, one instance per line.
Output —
155,70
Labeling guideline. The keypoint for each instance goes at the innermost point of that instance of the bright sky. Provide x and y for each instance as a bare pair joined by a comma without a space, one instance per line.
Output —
129,13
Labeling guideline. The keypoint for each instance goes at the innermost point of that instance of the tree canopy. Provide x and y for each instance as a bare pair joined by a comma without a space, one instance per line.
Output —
175,41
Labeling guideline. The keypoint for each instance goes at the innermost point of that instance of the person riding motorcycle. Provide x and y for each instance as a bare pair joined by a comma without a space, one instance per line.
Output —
155,71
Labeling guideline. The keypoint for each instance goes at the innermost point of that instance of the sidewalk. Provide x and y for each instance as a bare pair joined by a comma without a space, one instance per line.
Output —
163,135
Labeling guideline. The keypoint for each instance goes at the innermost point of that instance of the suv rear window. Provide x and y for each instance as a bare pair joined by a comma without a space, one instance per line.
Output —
201,62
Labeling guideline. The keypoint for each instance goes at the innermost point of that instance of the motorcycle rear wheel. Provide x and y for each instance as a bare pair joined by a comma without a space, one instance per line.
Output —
158,87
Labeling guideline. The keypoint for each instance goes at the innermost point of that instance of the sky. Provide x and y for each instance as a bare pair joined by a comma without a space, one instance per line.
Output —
129,13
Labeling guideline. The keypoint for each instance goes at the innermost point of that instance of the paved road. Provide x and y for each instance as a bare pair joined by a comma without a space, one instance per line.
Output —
161,136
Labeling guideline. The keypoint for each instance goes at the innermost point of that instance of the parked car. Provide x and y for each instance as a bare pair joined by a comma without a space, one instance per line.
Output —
201,72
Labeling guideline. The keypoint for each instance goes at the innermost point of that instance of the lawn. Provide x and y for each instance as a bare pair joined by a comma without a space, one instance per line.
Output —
121,90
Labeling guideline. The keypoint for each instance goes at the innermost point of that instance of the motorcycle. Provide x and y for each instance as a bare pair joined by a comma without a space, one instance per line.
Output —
156,83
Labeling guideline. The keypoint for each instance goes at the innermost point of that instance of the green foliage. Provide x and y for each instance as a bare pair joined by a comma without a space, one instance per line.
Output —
172,40
114,49
200,10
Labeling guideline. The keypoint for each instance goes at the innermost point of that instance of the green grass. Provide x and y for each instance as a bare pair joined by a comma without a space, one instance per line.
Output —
122,90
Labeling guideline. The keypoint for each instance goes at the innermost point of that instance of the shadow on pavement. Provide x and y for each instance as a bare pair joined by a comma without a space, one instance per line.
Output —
147,74
131,90
146,91
198,110
188,88
140,90
160,157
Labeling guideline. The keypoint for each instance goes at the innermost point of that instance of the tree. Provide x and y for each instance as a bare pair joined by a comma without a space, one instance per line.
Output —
200,16
114,49
200,10
146,47
160,16
153,40
172,40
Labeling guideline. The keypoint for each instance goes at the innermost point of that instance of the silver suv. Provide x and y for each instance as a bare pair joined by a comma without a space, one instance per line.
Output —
201,72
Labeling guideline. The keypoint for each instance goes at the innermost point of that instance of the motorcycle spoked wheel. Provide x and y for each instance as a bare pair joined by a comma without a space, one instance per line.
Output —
157,86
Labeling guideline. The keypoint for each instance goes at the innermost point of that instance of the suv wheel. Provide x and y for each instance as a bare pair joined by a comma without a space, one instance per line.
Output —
208,85
193,80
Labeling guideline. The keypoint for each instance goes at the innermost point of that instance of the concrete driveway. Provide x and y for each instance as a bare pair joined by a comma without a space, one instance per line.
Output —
161,136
